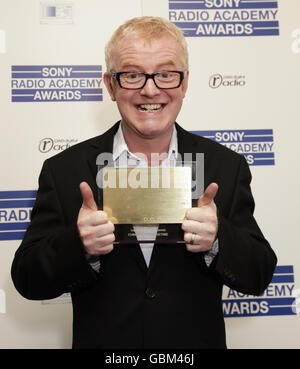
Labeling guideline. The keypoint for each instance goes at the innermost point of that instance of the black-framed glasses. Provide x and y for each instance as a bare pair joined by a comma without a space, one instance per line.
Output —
136,80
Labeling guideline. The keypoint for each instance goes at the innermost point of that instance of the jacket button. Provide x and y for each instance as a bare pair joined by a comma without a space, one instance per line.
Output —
150,293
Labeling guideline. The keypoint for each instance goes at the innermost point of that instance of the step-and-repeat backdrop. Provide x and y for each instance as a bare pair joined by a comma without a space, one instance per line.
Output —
244,93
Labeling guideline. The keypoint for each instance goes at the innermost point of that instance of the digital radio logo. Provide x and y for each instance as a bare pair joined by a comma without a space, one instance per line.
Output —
217,18
15,213
255,144
45,83
57,12
278,299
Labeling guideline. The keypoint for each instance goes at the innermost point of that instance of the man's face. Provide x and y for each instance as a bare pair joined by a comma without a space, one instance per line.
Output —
134,55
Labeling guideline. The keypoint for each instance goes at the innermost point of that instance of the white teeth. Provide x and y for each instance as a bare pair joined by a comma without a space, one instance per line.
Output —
149,107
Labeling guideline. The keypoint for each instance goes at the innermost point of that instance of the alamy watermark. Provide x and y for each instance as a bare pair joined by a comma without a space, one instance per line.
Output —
155,176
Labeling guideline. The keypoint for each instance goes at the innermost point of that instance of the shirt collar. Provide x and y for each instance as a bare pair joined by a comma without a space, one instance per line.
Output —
120,147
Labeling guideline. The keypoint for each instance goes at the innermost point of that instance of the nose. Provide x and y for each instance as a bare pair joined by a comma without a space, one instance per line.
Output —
150,89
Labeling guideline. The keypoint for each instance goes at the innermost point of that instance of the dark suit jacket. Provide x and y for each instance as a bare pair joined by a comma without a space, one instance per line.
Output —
176,303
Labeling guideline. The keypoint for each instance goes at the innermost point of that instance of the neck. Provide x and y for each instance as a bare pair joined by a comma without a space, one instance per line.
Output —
155,148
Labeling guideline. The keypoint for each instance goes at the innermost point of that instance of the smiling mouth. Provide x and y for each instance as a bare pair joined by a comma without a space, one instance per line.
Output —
150,108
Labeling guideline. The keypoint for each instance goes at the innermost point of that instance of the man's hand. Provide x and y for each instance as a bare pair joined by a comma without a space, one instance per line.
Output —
201,223
96,232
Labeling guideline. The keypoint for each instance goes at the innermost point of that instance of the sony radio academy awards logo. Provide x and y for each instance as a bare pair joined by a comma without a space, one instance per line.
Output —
279,298
257,145
15,213
56,83
217,18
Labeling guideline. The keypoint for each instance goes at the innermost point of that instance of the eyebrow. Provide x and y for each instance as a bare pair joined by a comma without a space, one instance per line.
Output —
160,65
168,62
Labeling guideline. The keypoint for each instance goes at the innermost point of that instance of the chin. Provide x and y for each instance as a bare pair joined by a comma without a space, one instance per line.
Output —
153,126
152,132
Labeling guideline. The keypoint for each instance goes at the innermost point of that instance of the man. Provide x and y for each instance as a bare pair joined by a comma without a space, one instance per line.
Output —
133,296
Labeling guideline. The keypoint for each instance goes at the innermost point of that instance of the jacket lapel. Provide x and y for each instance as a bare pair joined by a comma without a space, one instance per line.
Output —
100,144
122,232
187,142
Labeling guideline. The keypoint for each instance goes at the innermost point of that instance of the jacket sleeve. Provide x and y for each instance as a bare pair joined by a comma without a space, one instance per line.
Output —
245,261
50,260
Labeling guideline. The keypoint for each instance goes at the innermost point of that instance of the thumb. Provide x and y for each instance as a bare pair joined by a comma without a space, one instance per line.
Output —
208,195
88,201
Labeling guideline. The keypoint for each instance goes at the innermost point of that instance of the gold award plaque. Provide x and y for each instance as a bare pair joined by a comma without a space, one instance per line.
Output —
146,195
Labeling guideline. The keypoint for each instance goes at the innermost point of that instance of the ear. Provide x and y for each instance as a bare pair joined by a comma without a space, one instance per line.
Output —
109,86
185,83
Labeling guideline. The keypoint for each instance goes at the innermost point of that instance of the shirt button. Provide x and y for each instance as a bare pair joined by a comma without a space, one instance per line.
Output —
150,293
